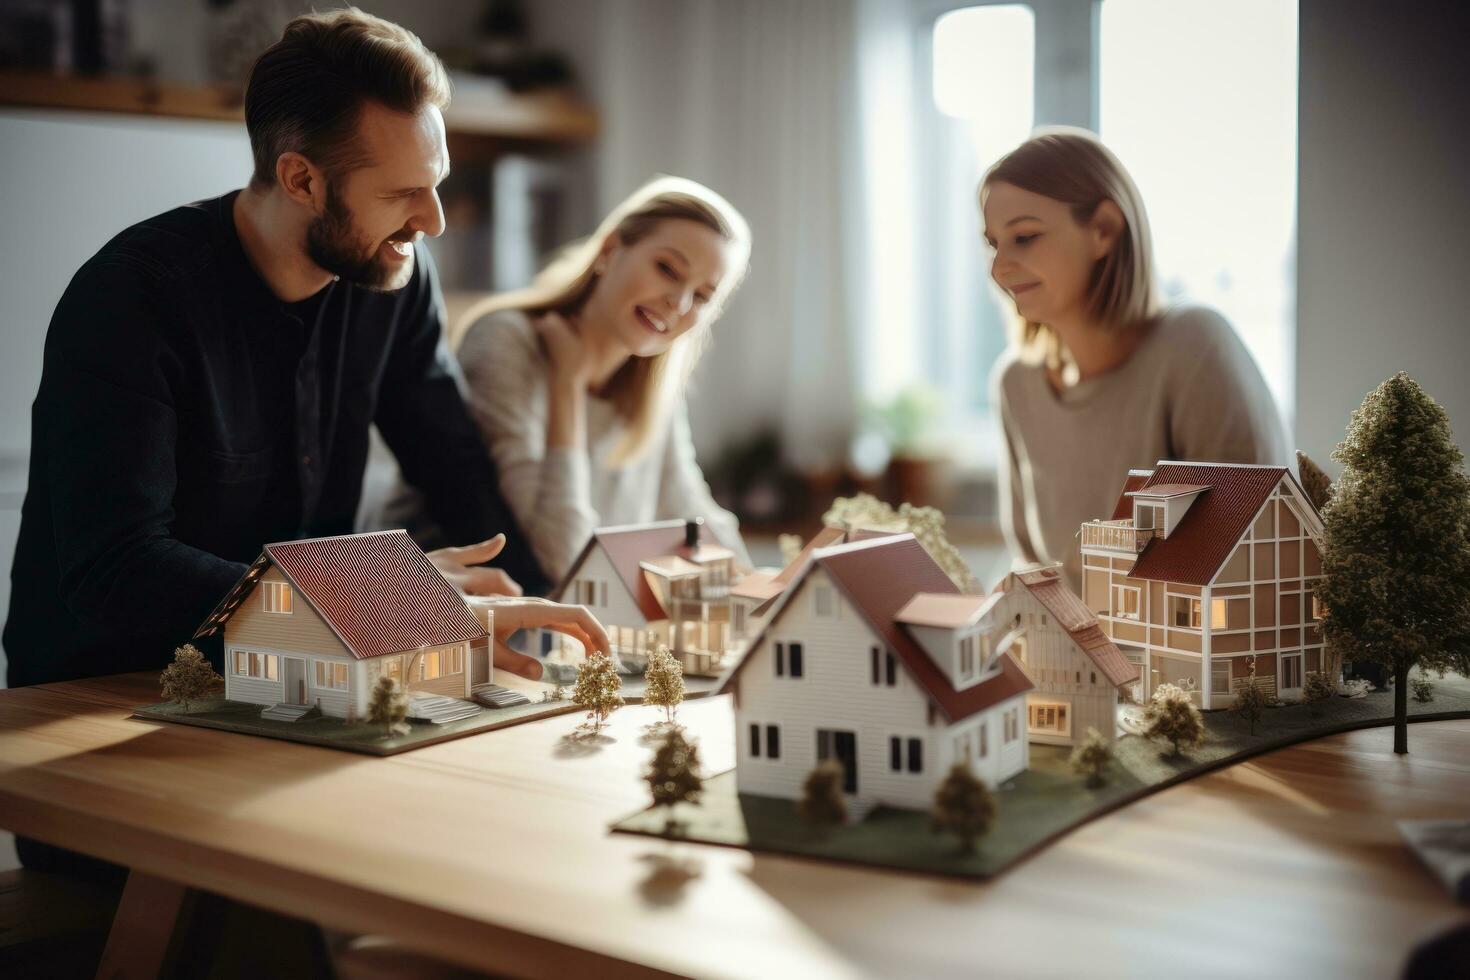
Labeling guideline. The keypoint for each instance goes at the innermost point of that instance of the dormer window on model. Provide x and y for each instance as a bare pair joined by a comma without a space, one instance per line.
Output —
1161,507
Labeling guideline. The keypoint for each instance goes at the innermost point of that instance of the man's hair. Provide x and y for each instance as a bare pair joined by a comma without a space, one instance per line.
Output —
307,90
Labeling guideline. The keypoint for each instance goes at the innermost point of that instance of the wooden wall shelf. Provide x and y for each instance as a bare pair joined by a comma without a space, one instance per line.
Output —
475,126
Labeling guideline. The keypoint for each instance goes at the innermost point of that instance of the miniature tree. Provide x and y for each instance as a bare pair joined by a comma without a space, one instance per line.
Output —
1396,545
388,706
1320,687
925,523
1251,700
665,676
189,678
1173,717
673,774
963,806
1091,756
1423,689
1316,483
822,806
597,689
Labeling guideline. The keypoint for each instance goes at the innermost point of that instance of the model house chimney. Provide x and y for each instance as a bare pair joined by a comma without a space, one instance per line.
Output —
691,532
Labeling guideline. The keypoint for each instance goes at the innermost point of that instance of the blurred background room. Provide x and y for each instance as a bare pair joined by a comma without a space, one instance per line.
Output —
1328,136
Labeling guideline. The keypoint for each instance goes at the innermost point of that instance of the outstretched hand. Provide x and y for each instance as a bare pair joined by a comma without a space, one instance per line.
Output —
463,568
531,613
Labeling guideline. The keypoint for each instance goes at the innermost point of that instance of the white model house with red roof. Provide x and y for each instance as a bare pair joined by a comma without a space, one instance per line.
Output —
316,623
667,582
1077,670
1206,569
872,657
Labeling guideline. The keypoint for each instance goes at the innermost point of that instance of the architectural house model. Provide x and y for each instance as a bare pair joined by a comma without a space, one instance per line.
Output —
316,623
667,582
873,658
1077,670
1203,567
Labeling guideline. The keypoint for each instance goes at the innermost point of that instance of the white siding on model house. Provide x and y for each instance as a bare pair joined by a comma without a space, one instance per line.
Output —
1000,760
1061,670
835,692
618,608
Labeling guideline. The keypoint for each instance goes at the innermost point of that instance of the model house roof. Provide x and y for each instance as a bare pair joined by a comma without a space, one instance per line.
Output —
944,611
1124,507
378,592
1072,615
628,547
879,577
1165,490
1215,522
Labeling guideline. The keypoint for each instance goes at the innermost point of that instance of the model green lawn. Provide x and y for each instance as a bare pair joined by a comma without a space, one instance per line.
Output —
360,736
1035,807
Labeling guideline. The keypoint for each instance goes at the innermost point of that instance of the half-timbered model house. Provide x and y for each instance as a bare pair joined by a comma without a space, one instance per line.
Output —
873,658
667,582
1205,569
1077,670
315,623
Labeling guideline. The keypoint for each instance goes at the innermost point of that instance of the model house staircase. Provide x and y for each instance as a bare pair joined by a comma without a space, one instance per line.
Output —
495,696
438,709
290,712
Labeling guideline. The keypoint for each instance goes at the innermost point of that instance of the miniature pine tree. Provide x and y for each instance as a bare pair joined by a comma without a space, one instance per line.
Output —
597,689
665,678
963,806
388,706
822,806
1091,756
673,774
1396,545
189,678
1250,700
1173,717
1317,484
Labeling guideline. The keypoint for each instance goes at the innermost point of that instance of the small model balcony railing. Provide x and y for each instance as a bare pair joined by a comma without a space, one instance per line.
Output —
1119,536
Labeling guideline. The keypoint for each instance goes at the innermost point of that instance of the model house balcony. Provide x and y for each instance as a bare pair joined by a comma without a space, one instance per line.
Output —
1120,536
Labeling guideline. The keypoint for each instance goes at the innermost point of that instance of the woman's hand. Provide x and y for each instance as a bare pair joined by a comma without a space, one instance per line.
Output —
517,614
462,567
570,365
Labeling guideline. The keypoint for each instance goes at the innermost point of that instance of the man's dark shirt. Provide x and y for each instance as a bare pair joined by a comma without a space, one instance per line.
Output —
186,417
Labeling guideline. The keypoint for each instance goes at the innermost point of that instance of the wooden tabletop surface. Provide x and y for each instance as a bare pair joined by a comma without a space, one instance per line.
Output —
493,851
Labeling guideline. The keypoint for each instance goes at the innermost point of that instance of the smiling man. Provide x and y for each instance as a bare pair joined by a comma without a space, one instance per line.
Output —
211,374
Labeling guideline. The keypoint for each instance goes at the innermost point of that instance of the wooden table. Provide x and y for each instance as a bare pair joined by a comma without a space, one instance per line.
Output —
493,852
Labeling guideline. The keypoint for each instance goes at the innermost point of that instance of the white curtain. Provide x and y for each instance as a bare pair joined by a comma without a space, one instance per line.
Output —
762,100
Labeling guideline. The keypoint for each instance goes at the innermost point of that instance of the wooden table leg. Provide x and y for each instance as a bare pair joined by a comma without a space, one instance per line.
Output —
144,929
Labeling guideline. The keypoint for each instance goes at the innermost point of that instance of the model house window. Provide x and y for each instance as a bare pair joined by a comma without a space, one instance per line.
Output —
873,660
331,676
276,596
585,590
890,670
1220,678
895,753
394,669
755,741
1149,517
780,660
1092,677
984,740
773,742
916,755
739,618
797,667
429,666
1314,604
1291,671
823,594
1049,718
967,656
454,659
1126,602
795,664
261,666
1012,725
1230,614
1184,612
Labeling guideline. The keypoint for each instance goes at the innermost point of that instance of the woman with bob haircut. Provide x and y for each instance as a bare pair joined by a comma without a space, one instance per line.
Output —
577,382
1100,378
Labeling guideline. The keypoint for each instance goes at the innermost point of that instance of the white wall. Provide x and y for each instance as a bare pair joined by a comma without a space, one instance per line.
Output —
1384,210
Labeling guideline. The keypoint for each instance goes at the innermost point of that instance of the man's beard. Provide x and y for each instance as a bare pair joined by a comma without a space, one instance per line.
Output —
332,242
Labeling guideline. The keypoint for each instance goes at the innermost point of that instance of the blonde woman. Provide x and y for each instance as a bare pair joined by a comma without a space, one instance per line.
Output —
1100,378
577,383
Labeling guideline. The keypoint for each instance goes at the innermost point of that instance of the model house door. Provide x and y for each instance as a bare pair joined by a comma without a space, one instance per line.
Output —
295,678
1291,672
841,746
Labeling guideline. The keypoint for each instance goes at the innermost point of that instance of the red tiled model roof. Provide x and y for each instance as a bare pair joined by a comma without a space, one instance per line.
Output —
1123,509
1073,616
879,576
627,547
1167,489
378,592
1214,523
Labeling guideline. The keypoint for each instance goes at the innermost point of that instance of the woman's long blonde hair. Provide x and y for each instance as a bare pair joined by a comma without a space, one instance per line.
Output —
645,388
1072,166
